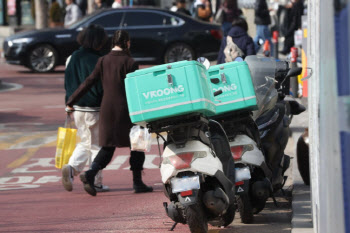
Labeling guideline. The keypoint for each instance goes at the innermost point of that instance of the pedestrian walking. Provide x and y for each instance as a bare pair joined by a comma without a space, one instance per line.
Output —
73,13
99,4
262,21
202,10
227,13
292,22
86,114
181,7
115,123
82,4
117,4
238,35
144,3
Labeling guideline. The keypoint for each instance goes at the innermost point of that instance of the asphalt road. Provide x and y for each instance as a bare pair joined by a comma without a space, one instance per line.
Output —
32,198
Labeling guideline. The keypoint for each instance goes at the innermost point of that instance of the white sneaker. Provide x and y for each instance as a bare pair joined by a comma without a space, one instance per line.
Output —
67,177
102,188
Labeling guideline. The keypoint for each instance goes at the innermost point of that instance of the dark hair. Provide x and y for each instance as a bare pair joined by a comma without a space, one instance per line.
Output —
240,22
231,4
120,39
93,37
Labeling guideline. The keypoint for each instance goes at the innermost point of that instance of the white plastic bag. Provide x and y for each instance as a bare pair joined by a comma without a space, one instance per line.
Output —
140,139
298,37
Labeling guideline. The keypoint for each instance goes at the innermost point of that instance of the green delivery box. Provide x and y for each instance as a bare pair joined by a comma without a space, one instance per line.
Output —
235,82
168,90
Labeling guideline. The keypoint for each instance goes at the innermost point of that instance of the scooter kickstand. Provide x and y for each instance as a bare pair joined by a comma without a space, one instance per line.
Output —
283,192
274,201
173,227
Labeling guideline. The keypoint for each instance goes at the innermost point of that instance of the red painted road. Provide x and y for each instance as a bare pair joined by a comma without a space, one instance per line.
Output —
32,198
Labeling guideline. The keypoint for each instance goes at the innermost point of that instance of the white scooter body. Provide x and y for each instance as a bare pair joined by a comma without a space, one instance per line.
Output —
205,163
253,156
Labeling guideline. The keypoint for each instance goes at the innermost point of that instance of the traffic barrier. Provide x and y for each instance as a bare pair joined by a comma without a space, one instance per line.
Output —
267,49
293,84
275,35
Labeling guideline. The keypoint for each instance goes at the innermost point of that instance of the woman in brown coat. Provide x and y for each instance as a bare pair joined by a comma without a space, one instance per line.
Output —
115,122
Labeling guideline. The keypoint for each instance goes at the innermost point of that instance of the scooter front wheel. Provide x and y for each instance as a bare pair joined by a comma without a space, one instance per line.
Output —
196,219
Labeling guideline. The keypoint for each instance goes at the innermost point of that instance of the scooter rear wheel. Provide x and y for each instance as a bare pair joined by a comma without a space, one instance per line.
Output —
229,216
196,219
245,209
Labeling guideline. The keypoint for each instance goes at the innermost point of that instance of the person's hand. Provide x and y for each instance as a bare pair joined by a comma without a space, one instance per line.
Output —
69,109
289,5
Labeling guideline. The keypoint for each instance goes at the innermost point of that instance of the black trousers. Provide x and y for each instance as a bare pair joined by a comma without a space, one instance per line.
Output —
105,156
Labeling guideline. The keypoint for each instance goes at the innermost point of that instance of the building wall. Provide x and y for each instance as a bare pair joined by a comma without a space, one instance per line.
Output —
326,156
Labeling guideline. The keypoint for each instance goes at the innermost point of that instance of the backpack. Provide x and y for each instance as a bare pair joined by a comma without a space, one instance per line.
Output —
232,51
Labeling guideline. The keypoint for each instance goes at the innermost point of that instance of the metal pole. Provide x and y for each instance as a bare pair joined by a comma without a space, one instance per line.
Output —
293,82
275,43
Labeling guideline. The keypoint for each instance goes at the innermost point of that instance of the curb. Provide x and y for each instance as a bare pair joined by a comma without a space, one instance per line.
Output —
301,194
301,210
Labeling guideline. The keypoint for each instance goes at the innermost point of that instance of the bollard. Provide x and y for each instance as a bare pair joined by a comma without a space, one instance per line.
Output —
293,84
267,51
275,43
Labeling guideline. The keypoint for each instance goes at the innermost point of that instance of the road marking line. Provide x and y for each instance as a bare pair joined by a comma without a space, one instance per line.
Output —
18,162
35,141
54,106
19,141
11,87
10,109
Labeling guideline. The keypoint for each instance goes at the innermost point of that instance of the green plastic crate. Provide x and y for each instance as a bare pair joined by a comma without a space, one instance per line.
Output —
168,90
234,80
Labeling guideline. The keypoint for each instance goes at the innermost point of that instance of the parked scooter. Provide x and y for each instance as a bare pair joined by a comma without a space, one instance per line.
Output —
258,139
197,168
197,171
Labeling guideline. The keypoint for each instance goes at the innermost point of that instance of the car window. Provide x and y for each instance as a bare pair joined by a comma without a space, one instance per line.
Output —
109,21
148,19
172,21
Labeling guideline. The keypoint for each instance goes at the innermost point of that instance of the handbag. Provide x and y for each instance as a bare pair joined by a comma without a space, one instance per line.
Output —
66,141
140,139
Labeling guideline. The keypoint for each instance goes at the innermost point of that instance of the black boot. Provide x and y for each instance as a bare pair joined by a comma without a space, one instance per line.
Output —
88,178
139,186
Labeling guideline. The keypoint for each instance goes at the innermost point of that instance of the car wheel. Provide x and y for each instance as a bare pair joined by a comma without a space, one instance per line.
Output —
178,52
303,159
43,58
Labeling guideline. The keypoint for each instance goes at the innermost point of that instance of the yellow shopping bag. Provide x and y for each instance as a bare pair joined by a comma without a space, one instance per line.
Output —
66,140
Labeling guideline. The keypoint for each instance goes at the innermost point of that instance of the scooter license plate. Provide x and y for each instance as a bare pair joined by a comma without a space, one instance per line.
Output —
185,183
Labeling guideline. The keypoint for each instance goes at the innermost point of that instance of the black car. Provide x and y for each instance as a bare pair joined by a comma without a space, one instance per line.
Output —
157,36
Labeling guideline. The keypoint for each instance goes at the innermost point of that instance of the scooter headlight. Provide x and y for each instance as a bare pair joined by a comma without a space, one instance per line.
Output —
184,160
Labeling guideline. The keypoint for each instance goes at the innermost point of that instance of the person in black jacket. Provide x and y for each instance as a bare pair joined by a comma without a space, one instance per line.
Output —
292,22
181,7
86,115
240,37
262,21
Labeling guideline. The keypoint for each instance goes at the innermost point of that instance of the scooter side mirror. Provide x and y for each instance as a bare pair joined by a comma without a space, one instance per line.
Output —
295,71
204,61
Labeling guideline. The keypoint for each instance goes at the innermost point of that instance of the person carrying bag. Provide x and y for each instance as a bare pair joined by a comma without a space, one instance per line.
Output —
115,123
